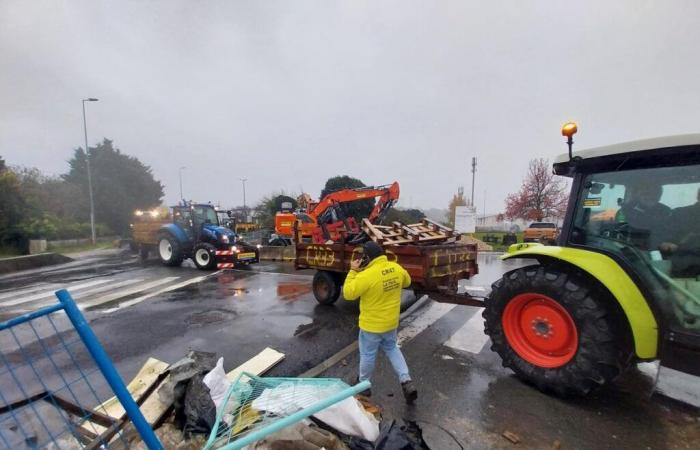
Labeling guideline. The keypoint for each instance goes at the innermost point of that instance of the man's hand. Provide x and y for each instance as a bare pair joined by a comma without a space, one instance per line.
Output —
668,247
355,264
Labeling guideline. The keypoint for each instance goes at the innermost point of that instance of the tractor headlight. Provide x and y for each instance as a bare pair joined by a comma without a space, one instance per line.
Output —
234,248
259,246
224,239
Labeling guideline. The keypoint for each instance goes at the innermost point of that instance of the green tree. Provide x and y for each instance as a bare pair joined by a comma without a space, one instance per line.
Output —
405,216
269,206
358,209
13,208
121,184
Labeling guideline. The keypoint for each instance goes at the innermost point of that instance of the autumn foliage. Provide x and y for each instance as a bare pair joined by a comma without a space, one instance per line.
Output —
541,195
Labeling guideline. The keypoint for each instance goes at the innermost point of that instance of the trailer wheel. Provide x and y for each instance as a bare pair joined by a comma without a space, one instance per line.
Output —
326,287
555,331
204,256
169,251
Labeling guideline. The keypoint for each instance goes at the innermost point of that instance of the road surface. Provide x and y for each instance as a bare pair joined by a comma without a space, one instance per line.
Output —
467,400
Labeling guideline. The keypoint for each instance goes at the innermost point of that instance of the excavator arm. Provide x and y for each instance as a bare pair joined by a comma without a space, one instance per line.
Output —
388,195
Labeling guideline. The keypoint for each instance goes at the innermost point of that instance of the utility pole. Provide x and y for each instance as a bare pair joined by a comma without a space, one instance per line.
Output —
473,176
89,174
245,210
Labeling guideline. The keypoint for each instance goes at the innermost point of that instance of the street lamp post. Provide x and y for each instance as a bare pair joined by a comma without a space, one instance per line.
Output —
182,199
89,174
245,211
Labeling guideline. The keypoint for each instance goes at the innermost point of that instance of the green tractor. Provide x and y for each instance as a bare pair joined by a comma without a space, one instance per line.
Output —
623,284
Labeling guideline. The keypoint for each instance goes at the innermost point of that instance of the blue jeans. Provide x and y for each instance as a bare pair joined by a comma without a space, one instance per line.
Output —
370,344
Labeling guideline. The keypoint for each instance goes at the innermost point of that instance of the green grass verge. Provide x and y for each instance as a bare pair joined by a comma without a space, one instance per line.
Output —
497,246
80,247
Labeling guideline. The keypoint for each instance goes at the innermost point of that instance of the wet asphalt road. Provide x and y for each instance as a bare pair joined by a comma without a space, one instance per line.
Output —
467,399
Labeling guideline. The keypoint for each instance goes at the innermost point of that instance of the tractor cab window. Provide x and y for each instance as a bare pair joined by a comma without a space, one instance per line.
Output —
649,219
203,214
182,216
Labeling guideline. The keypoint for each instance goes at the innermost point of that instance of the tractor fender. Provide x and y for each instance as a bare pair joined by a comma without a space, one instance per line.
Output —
175,231
645,330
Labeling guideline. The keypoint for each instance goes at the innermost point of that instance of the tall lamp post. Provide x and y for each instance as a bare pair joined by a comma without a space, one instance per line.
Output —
89,174
182,199
245,210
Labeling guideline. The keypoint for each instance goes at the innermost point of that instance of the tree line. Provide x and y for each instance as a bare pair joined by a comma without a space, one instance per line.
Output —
38,206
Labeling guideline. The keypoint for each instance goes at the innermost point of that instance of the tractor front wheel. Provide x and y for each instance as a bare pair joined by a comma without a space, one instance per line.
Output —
204,256
556,331
326,287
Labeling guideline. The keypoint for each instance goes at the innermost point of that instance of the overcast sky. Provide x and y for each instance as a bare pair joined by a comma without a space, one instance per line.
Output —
289,93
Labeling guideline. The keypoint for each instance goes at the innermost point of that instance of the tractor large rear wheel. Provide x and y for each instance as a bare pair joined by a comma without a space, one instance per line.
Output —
556,330
326,287
169,250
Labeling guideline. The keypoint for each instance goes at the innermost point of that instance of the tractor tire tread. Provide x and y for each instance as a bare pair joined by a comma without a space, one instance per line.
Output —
604,350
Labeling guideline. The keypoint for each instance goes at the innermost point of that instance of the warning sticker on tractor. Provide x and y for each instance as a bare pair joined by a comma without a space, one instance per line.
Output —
590,202
250,255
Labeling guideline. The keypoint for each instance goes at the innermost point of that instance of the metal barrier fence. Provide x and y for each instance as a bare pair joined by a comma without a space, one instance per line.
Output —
54,374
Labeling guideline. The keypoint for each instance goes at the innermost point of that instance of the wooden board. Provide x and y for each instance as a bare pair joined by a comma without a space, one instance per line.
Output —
145,377
258,364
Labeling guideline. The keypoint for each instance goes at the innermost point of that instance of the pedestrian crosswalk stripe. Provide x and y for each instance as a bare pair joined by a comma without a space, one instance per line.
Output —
31,290
470,337
433,313
84,294
121,294
50,293
136,300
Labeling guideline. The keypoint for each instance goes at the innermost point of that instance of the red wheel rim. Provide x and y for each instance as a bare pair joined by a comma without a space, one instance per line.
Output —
540,330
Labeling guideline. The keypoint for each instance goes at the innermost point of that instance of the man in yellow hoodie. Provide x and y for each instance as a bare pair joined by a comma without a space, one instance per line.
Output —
378,286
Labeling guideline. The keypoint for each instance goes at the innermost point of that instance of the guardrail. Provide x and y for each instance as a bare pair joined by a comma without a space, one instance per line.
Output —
52,383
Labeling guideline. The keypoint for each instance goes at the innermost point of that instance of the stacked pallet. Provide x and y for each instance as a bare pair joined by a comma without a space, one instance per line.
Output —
426,232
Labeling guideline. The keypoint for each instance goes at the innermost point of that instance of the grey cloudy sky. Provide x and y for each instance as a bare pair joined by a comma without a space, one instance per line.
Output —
289,93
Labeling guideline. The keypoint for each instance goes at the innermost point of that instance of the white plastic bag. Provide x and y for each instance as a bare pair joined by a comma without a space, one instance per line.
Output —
218,384
349,417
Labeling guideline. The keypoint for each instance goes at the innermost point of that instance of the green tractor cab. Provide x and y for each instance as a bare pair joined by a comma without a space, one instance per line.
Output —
623,285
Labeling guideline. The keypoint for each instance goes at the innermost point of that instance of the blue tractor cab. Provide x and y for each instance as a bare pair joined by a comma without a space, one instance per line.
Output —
195,232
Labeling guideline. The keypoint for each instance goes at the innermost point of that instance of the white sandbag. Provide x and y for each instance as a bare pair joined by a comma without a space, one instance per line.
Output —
349,417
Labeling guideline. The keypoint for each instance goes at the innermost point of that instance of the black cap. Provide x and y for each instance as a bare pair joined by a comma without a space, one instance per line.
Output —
372,249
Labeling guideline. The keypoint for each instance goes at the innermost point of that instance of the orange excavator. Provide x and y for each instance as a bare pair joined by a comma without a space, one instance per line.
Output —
327,219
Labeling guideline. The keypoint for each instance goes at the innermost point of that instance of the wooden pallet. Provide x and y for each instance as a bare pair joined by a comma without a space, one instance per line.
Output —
423,233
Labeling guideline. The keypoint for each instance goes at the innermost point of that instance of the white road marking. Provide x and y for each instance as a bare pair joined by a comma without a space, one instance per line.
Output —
434,312
50,293
118,295
32,290
470,337
136,300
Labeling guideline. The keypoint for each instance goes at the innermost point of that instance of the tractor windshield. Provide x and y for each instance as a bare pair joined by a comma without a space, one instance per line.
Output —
205,214
650,219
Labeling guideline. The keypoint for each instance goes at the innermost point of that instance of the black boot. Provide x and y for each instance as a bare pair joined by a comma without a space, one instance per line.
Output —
410,393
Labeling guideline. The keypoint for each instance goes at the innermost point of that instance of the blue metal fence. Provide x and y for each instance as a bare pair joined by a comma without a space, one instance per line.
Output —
54,375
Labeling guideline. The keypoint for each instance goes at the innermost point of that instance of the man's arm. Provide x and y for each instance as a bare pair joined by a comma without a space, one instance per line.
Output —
354,286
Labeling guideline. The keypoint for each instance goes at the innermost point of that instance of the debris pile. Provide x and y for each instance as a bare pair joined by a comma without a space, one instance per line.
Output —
195,404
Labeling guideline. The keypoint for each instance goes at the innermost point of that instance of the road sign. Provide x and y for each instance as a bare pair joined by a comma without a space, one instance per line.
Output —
465,219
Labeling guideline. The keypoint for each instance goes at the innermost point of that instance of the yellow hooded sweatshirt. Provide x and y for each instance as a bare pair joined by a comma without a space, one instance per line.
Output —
379,288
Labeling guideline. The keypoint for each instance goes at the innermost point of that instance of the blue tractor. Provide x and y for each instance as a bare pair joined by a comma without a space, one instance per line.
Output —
195,232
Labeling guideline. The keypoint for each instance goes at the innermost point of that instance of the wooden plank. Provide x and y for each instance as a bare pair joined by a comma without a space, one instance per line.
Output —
148,373
258,364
